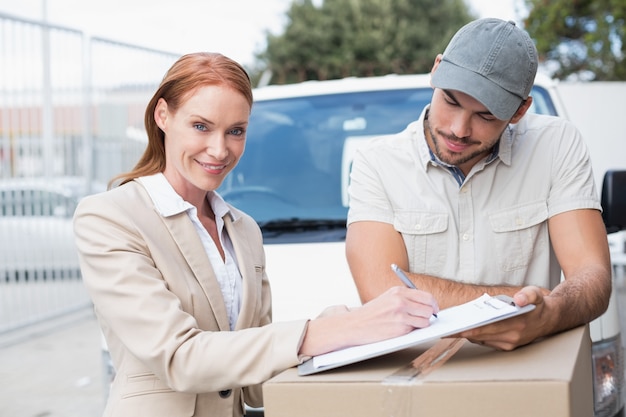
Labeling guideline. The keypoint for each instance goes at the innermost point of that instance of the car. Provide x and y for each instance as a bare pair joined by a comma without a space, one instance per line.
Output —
293,179
37,240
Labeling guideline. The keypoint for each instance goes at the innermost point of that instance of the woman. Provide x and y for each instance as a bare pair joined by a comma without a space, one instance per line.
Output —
177,276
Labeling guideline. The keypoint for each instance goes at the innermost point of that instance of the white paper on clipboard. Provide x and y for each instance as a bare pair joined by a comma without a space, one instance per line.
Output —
479,312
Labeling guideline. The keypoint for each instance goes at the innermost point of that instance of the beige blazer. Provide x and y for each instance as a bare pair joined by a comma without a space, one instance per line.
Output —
162,313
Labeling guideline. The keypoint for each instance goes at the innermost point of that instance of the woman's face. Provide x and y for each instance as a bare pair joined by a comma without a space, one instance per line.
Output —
204,138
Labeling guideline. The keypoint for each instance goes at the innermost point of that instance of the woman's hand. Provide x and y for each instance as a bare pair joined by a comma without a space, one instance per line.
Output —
397,311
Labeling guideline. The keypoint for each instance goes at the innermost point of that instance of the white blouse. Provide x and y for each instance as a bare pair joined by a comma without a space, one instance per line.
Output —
169,203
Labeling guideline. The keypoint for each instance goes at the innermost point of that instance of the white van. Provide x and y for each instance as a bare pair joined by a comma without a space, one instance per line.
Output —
293,180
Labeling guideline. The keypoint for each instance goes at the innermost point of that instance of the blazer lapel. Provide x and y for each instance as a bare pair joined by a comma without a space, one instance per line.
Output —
187,239
251,289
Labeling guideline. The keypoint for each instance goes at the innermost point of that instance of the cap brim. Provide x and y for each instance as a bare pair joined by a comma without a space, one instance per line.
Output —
498,101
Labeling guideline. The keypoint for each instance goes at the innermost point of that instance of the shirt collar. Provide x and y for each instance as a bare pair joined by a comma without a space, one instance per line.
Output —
169,203
505,145
417,131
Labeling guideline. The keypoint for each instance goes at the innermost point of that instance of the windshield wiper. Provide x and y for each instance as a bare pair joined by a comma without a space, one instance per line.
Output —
295,224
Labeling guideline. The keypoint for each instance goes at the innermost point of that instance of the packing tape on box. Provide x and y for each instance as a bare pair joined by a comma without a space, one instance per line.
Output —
427,362
398,398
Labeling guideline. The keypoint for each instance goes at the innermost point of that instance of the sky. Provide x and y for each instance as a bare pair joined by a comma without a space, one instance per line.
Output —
236,28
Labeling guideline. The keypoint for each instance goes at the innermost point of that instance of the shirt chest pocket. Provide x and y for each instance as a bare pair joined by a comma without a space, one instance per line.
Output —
517,232
425,239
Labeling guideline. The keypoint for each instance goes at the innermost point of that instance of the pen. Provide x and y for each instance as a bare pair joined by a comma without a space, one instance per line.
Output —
400,273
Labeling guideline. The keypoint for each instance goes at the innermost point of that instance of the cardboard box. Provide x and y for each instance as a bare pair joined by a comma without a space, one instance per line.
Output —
549,378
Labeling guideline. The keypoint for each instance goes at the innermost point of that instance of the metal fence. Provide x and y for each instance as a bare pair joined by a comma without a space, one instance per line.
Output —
71,117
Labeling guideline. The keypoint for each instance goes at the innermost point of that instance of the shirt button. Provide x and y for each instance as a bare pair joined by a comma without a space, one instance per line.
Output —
225,394
465,236
418,227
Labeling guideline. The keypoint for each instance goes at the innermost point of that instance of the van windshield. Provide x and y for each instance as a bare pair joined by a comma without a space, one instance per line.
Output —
299,150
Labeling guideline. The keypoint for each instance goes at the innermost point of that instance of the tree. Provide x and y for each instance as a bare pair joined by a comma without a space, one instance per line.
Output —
342,38
581,39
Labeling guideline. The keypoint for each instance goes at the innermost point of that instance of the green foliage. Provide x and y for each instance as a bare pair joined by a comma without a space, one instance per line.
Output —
344,38
584,38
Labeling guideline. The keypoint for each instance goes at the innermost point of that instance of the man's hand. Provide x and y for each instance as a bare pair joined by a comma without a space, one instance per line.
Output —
516,331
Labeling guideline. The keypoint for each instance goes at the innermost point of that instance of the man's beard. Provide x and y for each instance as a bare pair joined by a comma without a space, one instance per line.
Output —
452,158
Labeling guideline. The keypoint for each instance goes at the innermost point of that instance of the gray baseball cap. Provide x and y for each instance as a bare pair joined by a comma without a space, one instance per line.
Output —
491,60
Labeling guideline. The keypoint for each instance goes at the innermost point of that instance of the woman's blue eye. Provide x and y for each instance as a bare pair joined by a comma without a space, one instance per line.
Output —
237,132
200,126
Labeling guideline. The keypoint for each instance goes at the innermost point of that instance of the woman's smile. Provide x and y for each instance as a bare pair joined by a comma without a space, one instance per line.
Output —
212,168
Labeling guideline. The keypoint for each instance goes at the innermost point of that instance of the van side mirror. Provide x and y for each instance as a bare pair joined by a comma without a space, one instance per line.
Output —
613,200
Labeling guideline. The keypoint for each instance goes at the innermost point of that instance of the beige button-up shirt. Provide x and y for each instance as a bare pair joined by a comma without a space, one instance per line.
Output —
490,227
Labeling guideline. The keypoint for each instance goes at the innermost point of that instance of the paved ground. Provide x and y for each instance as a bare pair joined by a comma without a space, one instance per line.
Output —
54,370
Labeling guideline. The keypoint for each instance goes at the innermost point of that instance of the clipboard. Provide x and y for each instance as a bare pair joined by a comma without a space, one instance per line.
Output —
479,312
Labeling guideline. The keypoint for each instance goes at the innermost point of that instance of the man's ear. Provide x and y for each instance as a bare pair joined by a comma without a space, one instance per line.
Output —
160,114
521,111
438,59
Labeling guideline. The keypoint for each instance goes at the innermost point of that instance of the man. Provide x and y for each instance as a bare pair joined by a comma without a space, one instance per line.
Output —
481,196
